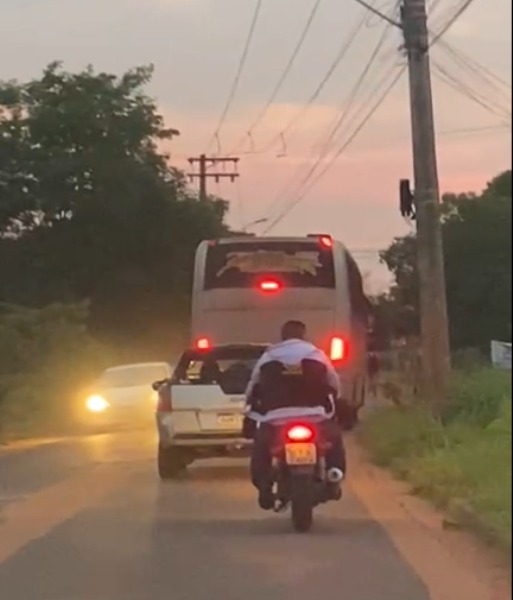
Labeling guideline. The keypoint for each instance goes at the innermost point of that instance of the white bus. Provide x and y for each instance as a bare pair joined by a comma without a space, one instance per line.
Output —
245,288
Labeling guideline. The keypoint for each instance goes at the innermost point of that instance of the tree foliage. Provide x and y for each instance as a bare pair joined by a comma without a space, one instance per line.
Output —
90,207
477,243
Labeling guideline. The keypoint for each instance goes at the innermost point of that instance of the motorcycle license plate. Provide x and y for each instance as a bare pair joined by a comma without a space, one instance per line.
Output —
301,454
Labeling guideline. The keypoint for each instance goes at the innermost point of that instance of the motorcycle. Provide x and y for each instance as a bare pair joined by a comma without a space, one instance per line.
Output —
302,480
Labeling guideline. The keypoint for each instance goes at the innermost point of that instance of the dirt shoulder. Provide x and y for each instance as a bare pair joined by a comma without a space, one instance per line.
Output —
452,563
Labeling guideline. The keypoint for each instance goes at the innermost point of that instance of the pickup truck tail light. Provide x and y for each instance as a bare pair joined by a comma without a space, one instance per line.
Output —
165,401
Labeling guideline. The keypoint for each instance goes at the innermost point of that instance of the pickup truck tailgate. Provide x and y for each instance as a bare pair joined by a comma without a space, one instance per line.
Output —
207,408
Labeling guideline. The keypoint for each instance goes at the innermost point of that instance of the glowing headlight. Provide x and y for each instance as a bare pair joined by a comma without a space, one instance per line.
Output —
97,404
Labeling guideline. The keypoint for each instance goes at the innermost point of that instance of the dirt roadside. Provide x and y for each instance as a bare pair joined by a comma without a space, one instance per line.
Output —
452,563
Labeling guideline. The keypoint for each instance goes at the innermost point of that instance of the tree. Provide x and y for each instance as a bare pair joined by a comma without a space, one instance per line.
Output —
477,243
90,208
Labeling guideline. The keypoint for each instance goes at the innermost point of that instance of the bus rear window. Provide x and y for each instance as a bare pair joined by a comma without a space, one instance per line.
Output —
294,264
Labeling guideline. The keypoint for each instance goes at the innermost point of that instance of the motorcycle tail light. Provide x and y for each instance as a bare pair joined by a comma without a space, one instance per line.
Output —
300,433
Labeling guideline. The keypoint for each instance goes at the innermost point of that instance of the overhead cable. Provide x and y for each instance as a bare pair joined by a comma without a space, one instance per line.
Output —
238,74
284,75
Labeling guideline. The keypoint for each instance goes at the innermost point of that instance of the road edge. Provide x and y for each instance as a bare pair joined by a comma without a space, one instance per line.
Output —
452,564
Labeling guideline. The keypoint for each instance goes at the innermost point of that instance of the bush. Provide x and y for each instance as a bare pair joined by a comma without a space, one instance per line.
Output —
469,359
46,357
463,463
477,397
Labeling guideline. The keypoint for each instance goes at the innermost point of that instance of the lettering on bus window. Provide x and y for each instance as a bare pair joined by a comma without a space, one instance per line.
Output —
293,264
263,261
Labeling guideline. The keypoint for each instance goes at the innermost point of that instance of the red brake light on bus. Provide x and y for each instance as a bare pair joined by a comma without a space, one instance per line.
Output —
338,349
203,343
269,285
326,241
300,433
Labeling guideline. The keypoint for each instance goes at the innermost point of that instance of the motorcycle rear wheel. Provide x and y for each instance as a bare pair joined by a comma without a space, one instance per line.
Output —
302,504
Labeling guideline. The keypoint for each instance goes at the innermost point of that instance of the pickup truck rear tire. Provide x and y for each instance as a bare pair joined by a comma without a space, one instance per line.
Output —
171,462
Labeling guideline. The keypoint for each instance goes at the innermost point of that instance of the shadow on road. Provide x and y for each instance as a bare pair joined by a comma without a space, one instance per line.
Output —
267,526
209,473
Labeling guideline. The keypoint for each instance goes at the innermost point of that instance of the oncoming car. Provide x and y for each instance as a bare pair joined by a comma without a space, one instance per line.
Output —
200,409
123,394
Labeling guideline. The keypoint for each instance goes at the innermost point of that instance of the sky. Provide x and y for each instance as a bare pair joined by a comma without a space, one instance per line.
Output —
196,47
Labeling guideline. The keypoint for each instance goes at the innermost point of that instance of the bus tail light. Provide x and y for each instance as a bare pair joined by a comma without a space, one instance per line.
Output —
270,285
338,349
203,343
325,240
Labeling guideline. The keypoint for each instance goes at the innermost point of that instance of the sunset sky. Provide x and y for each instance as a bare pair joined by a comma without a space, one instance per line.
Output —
195,46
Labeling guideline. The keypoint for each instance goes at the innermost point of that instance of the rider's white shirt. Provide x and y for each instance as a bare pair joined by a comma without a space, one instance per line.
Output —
292,352
284,414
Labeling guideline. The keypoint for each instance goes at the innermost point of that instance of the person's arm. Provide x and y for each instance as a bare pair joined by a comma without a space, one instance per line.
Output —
332,375
255,376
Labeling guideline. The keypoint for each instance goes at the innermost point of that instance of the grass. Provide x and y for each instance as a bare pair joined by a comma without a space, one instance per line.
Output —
462,462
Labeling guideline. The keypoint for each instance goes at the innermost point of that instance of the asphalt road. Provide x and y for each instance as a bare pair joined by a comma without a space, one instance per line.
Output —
87,519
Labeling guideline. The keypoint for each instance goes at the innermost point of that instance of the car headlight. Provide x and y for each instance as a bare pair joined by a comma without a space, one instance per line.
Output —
97,404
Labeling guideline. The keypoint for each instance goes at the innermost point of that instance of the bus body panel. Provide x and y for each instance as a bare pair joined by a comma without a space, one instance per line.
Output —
240,315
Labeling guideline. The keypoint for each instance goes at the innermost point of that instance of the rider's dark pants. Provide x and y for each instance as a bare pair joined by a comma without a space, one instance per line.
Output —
261,458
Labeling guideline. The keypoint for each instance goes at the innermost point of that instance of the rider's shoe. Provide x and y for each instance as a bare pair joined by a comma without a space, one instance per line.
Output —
266,499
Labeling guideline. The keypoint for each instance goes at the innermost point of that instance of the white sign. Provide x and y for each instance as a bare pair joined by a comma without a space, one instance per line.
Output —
501,355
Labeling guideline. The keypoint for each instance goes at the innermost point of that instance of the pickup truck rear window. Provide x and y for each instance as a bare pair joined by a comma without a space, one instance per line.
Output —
230,368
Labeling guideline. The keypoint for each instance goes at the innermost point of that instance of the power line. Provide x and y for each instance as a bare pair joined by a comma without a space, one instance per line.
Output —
378,13
464,6
473,130
496,101
452,81
484,74
341,54
346,106
344,110
285,73
238,75
342,149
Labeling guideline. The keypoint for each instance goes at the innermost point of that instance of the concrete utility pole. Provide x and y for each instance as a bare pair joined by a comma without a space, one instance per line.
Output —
436,359
203,173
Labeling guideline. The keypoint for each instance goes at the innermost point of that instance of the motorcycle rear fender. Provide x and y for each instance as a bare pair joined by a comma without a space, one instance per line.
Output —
302,470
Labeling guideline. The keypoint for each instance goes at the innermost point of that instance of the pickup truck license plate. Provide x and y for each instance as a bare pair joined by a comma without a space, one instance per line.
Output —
230,421
301,454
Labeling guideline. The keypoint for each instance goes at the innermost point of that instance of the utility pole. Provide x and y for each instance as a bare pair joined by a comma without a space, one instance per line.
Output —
203,174
436,359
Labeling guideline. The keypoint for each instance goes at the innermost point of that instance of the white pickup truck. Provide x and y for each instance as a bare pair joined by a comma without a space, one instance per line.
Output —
200,409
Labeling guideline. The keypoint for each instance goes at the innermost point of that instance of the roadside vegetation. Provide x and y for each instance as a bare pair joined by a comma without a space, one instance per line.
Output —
47,358
461,461
476,230
97,238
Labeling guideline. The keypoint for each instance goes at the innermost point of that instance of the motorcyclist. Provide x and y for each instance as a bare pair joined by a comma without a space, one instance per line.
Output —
266,407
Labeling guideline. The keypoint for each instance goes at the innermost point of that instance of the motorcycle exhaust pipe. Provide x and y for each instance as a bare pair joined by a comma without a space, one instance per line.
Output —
335,475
